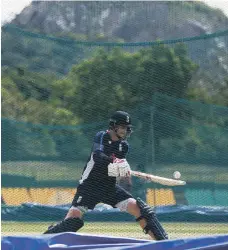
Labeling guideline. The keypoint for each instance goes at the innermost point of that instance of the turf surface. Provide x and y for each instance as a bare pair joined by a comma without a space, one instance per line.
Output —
175,230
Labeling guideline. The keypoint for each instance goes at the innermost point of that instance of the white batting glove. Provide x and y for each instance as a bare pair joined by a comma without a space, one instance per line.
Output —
123,166
113,170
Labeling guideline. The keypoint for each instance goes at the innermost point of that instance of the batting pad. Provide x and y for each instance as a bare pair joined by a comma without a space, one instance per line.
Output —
73,241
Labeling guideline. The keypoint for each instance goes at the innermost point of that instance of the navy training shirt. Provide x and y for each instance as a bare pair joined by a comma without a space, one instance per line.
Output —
104,148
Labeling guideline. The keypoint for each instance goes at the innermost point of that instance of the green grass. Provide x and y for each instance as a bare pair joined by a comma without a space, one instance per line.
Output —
51,170
44,170
130,229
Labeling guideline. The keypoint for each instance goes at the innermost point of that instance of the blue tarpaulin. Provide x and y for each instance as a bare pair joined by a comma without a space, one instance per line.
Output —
77,241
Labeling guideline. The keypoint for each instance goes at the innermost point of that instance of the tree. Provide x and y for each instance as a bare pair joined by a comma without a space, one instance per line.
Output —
116,79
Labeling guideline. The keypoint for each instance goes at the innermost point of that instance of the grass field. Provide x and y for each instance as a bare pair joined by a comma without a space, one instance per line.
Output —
130,229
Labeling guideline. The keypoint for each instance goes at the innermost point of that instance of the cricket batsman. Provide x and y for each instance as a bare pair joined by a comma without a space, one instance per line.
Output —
106,162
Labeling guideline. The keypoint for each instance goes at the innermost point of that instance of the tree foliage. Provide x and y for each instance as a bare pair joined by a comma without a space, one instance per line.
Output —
116,79
113,80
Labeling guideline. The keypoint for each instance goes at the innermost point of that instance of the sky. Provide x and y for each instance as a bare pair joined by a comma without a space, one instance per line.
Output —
9,8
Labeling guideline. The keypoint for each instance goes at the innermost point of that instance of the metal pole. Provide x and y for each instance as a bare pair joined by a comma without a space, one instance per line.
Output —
152,110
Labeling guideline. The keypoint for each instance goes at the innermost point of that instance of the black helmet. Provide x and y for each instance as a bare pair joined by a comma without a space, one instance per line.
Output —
121,118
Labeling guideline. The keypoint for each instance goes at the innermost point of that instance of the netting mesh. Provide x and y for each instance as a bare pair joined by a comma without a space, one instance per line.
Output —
172,131
58,92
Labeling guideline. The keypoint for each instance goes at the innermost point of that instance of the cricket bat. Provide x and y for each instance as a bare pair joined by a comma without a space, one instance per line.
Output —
158,179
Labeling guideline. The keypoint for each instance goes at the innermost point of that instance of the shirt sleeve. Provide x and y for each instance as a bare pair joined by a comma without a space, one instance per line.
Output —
98,150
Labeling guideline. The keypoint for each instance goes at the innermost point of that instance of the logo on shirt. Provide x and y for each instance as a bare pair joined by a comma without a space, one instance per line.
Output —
79,199
120,147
